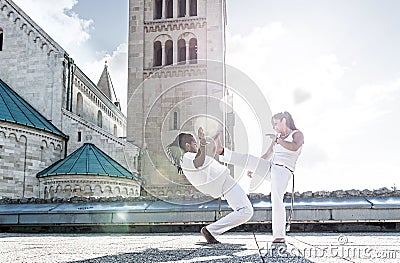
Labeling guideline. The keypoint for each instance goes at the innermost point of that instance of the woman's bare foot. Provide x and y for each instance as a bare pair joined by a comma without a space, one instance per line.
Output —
218,144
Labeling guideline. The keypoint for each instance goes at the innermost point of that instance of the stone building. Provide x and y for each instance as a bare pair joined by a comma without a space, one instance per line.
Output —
87,172
175,80
28,143
42,73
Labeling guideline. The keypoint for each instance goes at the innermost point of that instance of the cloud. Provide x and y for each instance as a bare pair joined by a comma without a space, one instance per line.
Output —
272,57
57,19
301,95
338,120
250,52
377,93
72,33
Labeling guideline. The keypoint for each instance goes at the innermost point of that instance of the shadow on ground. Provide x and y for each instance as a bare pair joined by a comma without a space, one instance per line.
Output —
206,253
281,255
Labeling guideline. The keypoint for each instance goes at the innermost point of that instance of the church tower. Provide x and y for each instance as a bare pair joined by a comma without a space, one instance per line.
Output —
175,81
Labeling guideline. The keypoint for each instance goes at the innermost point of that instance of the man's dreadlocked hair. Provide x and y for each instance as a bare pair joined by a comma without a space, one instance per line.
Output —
176,149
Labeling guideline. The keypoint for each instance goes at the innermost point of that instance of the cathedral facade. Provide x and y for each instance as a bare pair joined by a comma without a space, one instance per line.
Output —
175,83
45,77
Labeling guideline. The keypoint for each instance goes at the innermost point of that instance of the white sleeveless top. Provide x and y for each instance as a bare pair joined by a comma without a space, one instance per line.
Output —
284,156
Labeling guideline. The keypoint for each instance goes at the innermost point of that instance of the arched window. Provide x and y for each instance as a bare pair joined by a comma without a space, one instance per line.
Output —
157,60
193,8
115,130
158,9
181,8
181,51
99,119
79,104
193,50
175,123
169,54
169,7
1,39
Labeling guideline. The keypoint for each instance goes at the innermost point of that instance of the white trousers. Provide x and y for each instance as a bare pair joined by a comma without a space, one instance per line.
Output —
241,205
279,177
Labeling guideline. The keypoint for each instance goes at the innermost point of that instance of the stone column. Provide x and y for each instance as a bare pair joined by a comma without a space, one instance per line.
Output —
163,9
187,8
187,51
175,52
163,54
175,8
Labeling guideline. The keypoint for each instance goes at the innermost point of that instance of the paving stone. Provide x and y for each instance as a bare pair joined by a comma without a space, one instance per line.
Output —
191,247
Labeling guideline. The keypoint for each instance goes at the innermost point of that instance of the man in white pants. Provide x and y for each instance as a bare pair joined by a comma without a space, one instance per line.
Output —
212,178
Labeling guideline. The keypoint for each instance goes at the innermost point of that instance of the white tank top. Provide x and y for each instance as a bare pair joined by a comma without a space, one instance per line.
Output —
284,156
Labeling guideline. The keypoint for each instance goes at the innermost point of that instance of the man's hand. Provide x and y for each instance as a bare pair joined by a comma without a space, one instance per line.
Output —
200,133
202,140
250,174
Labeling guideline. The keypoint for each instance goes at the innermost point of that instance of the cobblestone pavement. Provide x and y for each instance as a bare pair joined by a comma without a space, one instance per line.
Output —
190,247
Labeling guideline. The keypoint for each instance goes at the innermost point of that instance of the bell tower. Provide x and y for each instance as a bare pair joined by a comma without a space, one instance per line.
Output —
175,81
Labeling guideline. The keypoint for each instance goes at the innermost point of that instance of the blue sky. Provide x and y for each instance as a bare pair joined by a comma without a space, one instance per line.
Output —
333,64
110,27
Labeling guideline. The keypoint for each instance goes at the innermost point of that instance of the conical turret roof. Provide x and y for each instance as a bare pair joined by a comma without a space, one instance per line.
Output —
106,87
87,160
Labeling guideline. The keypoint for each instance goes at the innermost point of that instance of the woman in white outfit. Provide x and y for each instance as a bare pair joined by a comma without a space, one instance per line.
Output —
276,165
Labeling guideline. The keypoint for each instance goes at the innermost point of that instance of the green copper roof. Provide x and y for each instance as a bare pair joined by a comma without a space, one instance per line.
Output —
89,160
15,109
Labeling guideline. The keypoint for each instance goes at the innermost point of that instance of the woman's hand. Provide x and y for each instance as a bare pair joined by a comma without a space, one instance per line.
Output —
272,136
250,174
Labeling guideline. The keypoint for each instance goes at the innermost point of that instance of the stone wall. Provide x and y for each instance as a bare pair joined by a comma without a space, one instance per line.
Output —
67,186
174,30
39,70
119,149
36,67
93,101
31,62
381,192
163,100
135,71
164,96
24,152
